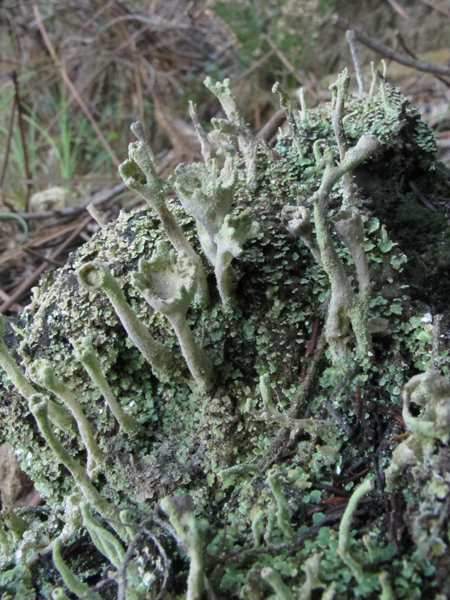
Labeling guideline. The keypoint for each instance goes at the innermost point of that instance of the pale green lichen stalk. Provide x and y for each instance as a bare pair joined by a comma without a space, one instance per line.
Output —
41,371
139,174
168,284
231,436
190,531
95,276
85,353
39,409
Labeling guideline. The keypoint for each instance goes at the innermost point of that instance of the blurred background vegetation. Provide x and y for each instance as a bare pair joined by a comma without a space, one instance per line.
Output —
74,75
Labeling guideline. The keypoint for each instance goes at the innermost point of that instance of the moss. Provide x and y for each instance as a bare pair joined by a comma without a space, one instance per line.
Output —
269,495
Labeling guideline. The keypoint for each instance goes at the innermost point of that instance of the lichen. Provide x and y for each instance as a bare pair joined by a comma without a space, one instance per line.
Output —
234,361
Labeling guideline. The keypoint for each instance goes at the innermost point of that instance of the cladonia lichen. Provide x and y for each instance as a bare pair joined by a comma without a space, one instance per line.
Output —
200,391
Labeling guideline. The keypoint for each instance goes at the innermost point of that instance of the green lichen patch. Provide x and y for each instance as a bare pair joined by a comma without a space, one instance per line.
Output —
269,413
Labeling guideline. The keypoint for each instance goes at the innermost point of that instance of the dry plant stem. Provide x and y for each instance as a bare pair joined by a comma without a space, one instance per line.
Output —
22,135
271,127
38,406
399,37
350,35
384,50
438,7
95,200
26,285
7,150
72,88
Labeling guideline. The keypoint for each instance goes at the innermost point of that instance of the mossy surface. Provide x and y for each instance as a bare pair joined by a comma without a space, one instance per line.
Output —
272,493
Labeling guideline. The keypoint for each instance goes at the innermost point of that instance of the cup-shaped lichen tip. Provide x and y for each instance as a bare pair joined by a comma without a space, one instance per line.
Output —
42,373
92,275
167,281
38,405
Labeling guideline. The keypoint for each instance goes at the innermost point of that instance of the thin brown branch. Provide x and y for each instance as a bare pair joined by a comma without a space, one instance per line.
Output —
380,48
71,87
7,149
399,37
401,11
286,62
438,7
33,278
22,135
96,200
271,127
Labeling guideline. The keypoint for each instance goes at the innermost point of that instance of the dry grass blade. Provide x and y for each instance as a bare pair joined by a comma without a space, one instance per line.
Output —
33,278
72,88
384,50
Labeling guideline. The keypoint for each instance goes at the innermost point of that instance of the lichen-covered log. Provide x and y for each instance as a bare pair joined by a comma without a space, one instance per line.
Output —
234,360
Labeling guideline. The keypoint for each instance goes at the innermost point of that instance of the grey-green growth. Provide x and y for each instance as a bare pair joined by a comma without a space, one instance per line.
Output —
227,365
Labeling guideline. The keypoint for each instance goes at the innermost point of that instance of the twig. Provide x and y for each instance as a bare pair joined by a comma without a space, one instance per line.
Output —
438,7
48,236
4,297
27,283
72,88
96,200
254,66
422,198
7,148
350,35
39,256
287,63
22,134
271,127
384,50
396,6
399,37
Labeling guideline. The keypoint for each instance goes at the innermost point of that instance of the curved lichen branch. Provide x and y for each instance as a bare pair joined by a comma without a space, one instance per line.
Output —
41,371
205,144
85,353
71,580
297,221
96,276
139,174
344,530
58,414
190,532
168,283
273,578
236,230
344,306
235,124
350,228
286,106
207,194
39,408
271,414
103,539
339,91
